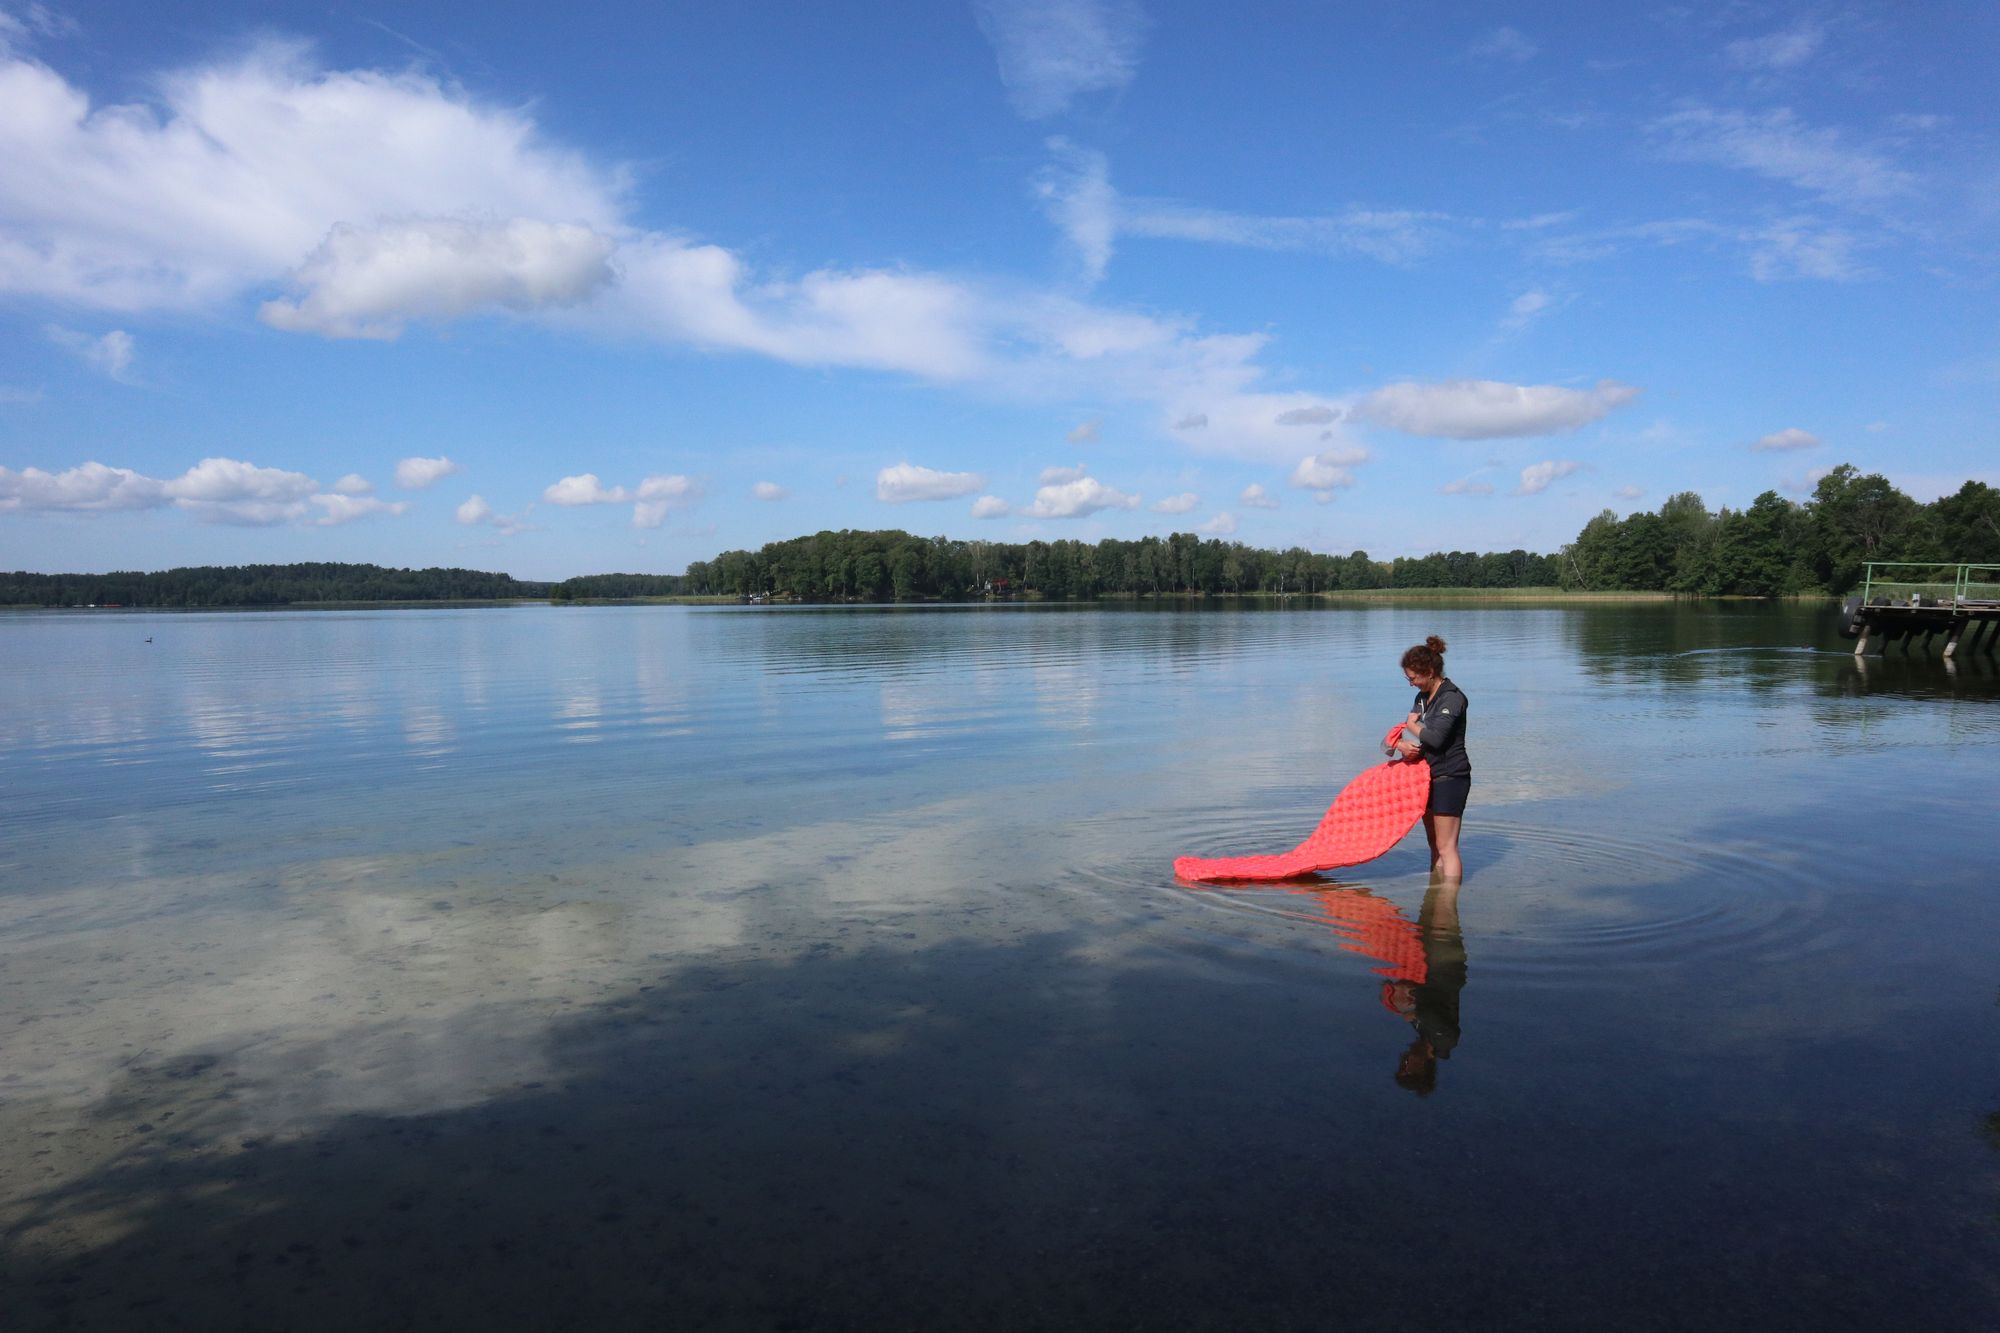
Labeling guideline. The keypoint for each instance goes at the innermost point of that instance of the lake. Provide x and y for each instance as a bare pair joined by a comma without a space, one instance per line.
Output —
824,968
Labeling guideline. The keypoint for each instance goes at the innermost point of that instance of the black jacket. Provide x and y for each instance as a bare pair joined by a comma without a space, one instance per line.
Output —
1442,732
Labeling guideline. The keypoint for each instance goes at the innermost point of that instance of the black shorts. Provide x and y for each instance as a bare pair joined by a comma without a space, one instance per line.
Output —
1448,795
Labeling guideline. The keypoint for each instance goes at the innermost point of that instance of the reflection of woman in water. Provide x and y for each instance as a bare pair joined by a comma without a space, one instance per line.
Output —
1426,967
1435,729
1430,1000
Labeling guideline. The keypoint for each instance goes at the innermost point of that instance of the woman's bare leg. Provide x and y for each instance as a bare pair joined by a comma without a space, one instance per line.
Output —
1443,833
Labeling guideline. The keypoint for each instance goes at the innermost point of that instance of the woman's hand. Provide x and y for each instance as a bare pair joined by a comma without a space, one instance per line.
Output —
1408,748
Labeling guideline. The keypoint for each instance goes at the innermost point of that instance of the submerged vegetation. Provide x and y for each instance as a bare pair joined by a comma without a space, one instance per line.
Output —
1774,547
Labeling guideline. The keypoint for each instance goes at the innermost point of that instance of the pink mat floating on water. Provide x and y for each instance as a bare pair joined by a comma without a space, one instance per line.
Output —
1371,815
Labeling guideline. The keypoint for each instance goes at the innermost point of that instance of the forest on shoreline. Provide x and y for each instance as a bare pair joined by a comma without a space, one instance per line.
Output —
1775,547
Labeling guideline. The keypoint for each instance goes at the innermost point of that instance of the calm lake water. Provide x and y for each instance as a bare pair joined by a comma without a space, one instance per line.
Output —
798,968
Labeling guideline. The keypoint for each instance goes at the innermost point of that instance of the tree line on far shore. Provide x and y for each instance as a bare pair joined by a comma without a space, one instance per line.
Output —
263,585
1774,546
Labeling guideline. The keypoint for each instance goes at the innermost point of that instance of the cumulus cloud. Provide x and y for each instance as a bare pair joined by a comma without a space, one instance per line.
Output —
1777,145
228,490
1473,485
1488,409
1254,496
1052,51
990,506
1078,498
240,168
109,354
906,482
1329,470
1537,477
353,484
769,490
1057,476
1785,440
1087,432
215,490
661,495
1504,44
88,488
413,474
337,508
585,489
1176,504
475,512
368,282
1222,525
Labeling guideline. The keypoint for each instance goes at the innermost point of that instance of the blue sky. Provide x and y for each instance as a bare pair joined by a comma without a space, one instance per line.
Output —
617,287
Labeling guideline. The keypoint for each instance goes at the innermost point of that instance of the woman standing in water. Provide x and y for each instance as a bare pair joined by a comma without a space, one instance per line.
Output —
1435,729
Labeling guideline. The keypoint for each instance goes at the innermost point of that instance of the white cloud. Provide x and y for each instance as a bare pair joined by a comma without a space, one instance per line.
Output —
228,490
1802,248
367,282
1087,432
1785,49
1077,192
661,495
1785,440
1222,525
1254,496
1777,145
585,489
110,354
1527,308
1192,421
353,484
1319,414
1488,409
1876,427
1472,485
769,490
1630,492
1393,236
240,168
10,393
1328,471
906,482
990,506
413,474
337,508
88,488
1176,504
1536,477
1078,498
1503,44
475,512
1057,476
1052,51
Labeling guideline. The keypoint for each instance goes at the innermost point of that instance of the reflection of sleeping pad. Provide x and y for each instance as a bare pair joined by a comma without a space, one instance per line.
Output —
1371,815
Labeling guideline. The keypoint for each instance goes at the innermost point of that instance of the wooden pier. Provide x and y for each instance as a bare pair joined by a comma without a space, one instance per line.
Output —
1902,600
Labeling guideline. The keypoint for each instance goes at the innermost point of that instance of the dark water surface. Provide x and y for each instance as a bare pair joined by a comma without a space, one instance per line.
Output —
792,968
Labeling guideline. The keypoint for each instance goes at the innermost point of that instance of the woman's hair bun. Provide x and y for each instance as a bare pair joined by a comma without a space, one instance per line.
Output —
1435,644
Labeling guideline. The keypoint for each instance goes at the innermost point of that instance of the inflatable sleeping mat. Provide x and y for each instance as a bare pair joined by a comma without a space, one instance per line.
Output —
1371,815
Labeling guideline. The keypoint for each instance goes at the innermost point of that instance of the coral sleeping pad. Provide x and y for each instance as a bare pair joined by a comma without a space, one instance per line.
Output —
1371,815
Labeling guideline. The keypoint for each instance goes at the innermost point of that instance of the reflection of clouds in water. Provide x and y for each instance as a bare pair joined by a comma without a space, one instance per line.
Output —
427,730
580,713
1066,692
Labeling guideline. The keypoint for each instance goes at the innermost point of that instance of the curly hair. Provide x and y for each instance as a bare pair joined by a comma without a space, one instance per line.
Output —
1427,658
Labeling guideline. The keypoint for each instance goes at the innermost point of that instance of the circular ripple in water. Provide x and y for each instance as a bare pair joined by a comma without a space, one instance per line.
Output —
1541,903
